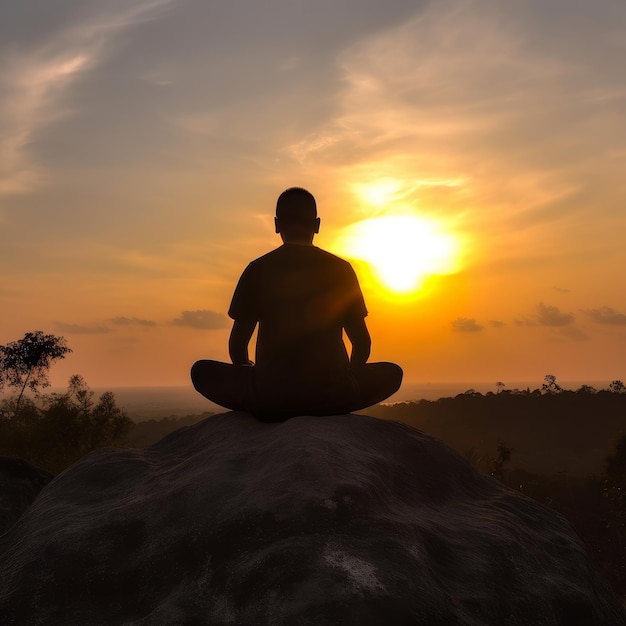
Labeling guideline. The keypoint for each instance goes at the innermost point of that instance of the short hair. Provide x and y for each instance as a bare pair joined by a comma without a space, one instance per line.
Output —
296,205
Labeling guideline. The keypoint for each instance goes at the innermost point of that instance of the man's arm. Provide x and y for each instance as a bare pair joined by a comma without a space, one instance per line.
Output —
360,339
238,342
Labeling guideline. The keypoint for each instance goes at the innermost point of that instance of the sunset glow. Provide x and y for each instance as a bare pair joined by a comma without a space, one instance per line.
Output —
378,193
466,157
402,250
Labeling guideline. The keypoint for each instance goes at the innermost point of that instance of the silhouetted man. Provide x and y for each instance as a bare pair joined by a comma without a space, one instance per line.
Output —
302,299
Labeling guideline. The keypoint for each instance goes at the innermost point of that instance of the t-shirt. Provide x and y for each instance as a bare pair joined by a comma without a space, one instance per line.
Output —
302,297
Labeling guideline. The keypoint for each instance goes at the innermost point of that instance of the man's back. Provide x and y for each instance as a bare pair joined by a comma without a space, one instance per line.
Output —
302,297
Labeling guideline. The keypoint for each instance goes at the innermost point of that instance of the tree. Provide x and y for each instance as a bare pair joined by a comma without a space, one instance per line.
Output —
25,362
79,392
68,426
550,385
617,386
499,386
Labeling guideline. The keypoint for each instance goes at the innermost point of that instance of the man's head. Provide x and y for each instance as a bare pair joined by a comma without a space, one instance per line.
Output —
296,216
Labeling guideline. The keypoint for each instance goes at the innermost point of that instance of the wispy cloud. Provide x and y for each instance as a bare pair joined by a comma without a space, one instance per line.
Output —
201,319
35,80
466,325
32,87
547,315
606,315
484,94
551,316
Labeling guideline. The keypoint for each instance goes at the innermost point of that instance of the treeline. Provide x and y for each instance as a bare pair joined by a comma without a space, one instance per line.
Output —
53,431
59,429
552,432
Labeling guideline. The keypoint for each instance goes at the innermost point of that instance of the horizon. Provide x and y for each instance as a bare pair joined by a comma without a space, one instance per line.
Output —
466,158
566,384
144,403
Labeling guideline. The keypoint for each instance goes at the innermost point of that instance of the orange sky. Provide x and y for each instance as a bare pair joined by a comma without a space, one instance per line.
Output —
143,147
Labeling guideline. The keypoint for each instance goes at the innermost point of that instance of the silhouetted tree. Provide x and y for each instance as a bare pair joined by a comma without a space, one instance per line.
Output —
79,391
550,385
64,427
73,424
25,362
617,386
499,386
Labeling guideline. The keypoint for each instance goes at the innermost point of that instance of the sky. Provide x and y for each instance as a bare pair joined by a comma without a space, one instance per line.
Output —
143,145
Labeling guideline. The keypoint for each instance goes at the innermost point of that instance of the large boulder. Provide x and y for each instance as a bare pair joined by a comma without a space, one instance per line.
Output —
317,520
20,482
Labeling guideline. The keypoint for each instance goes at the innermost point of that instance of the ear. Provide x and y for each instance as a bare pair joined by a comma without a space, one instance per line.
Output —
317,225
277,225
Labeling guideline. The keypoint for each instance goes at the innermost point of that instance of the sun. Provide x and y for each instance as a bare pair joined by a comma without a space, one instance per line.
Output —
402,250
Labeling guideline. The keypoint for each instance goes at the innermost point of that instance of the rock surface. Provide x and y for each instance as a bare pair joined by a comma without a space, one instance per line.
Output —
324,520
20,482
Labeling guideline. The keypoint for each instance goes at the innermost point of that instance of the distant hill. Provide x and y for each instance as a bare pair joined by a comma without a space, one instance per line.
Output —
551,433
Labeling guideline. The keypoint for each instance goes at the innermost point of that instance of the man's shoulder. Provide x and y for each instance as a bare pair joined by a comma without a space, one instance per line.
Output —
329,256
288,252
263,259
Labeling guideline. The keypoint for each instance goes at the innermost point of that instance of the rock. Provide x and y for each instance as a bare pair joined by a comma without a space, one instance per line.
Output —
317,520
20,482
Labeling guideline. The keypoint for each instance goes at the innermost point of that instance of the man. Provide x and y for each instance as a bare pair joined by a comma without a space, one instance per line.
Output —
302,299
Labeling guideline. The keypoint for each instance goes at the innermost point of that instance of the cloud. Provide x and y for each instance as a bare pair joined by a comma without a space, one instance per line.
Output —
35,79
201,319
466,325
131,321
561,289
497,323
450,91
80,329
606,315
552,316
547,315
